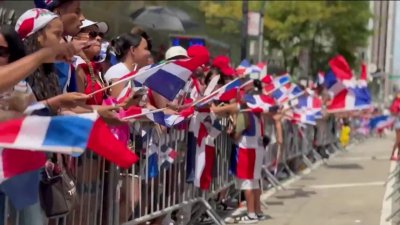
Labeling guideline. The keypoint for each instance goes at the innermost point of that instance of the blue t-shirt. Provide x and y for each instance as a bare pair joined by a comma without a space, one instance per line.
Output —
66,77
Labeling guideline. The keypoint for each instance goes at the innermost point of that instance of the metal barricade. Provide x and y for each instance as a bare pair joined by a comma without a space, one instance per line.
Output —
158,187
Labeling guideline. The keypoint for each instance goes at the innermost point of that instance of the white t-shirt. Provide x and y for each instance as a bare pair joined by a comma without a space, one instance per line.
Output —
116,72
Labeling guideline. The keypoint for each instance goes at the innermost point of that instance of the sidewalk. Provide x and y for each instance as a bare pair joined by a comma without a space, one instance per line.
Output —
348,189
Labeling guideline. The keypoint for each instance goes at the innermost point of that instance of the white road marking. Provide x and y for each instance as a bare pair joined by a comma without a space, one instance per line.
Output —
387,204
347,185
361,158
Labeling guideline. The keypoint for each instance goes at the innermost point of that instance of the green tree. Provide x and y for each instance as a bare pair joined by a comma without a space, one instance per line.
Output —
324,28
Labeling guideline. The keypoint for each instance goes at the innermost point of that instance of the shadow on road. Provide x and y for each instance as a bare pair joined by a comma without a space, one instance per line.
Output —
350,166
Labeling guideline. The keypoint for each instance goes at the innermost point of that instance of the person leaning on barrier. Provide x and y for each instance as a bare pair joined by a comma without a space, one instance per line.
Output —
16,94
71,16
247,125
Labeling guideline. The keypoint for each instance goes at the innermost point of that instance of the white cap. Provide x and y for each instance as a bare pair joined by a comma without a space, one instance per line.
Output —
103,27
175,51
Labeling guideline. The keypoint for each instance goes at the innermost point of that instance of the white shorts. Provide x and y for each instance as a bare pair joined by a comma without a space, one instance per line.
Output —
247,184
397,124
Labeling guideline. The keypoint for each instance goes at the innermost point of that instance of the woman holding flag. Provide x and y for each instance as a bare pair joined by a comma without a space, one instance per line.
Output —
16,95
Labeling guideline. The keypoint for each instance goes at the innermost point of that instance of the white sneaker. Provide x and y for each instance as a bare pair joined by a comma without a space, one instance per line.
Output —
245,219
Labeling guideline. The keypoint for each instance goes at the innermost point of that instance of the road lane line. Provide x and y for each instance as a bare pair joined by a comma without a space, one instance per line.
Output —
387,204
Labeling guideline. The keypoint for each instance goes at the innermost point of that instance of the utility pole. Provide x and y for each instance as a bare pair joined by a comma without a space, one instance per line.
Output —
261,36
245,7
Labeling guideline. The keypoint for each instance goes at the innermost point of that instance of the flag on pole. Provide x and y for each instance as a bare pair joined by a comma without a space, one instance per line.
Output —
65,134
259,103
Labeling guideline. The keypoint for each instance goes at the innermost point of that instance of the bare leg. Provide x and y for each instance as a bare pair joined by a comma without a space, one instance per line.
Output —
257,201
250,198
397,143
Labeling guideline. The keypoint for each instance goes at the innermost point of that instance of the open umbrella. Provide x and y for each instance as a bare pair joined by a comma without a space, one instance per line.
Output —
162,18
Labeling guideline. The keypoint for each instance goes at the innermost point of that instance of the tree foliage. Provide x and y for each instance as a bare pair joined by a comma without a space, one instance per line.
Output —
324,28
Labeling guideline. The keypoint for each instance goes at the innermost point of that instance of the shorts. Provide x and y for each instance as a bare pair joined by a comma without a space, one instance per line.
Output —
397,124
247,184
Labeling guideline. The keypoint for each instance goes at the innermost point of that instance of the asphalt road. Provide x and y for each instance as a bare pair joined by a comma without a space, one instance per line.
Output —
348,189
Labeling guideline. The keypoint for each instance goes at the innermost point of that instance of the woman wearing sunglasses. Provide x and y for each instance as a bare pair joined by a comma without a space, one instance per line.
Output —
89,78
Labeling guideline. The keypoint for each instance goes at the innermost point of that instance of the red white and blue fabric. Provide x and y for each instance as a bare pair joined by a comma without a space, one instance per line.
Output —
157,116
286,93
381,122
303,116
226,93
247,157
209,130
259,103
339,76
20,169
65,134
245,68
159,155
309,102
167,78
277,83
167,156
361,91
203,129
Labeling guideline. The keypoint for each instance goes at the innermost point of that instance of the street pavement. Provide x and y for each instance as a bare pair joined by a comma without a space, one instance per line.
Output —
347,189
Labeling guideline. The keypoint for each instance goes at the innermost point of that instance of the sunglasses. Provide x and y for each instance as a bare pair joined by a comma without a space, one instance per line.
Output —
4,51
94,34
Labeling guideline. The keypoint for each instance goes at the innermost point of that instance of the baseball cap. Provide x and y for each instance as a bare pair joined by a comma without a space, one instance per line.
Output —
175,51
32,21
103,27
198,50
222,63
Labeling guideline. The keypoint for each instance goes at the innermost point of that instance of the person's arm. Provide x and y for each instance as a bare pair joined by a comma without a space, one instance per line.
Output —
14,72
116,90
231,108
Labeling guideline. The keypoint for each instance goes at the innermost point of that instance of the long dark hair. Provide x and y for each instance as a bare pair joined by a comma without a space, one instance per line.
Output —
44,81
15,45
123,43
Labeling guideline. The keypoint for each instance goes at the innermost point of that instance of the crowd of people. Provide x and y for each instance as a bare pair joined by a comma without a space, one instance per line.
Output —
57,57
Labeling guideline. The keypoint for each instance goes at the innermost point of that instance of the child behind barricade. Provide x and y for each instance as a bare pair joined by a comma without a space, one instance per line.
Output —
345,133
246,159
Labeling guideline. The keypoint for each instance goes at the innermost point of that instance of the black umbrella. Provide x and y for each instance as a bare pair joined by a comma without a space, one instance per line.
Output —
162,18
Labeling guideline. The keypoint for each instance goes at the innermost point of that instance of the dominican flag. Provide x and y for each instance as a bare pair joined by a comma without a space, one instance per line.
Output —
203,130
276,83
259,103
157,116
167,78
339,76
208,131
304,116
381,122
167,156
309,102
361,91
245,68
226,93
286,93
65,134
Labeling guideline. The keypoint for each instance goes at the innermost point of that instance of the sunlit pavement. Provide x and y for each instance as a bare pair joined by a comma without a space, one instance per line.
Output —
348,189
